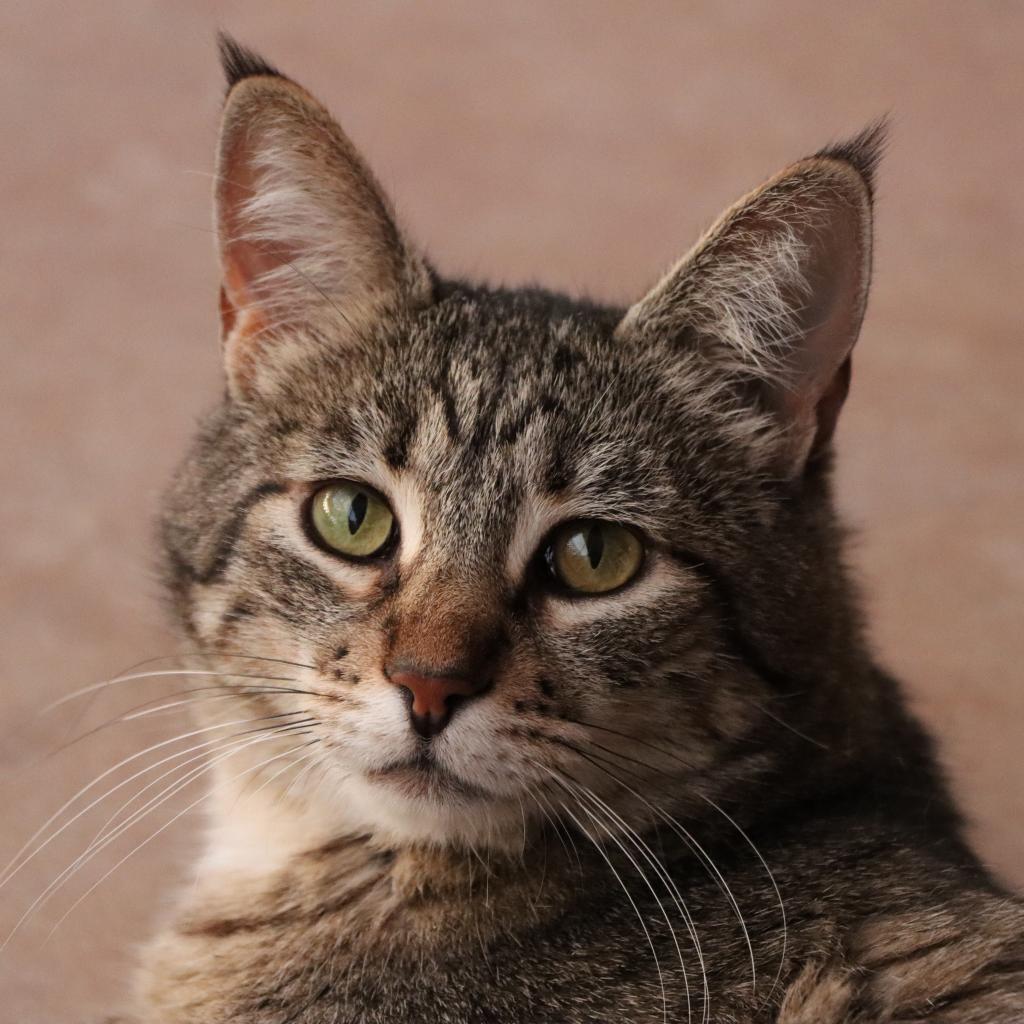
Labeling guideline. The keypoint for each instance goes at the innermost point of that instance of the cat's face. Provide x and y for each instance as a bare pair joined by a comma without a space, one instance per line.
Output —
494,540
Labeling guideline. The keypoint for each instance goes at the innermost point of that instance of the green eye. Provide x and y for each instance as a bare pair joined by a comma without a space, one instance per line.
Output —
591,557
351,519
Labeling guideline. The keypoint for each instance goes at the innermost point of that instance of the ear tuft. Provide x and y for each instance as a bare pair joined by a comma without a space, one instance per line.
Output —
863,152
240,62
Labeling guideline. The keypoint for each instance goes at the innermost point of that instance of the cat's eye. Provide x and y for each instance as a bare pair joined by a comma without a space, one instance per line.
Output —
351,519
588,556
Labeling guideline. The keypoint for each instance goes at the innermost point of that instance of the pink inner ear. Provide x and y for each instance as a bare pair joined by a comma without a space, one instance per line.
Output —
244,262
228,313
819,364
240,309
242,314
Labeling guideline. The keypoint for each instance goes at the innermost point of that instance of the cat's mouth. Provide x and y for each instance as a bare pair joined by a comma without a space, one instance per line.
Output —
422,776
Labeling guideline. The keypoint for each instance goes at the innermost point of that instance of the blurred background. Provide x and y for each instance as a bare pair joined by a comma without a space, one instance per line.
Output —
583,145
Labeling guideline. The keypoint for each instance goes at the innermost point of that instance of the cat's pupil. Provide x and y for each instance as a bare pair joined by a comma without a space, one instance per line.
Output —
595,546
357,513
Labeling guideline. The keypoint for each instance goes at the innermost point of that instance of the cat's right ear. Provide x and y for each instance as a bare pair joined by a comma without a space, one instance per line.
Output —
304,230
772,297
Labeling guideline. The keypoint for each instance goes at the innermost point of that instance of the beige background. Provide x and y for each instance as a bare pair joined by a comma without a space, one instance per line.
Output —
580,144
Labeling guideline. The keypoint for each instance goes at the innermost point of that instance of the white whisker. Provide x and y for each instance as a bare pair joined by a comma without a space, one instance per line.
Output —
153,836
702,855
775,886
636,909
158,674
275,730
663,873
13,866
96,847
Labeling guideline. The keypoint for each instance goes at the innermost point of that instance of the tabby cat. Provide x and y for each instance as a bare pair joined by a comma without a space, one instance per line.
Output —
546,690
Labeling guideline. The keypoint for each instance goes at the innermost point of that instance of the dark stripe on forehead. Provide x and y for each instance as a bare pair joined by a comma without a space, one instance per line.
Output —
545,405
396,449
451,413
557,473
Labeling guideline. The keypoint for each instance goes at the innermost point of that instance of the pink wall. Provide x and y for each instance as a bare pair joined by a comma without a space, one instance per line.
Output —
583,144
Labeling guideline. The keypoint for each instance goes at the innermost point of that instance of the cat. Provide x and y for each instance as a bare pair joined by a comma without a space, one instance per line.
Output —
542,690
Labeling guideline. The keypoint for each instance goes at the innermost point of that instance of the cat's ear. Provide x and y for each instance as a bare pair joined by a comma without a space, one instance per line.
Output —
774,294
304,230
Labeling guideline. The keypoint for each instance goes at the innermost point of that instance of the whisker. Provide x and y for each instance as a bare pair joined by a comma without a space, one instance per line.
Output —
634,739
153,836
130,674
288,767
792,728
636,909
226,690
11,870
250,657
71,869
561,742
92,687
712,804
222,753
299,780
5,876
151,708
624,757
699,850
156,674
225,693
277,729
680,902
558,827
662,873
775,886
544,846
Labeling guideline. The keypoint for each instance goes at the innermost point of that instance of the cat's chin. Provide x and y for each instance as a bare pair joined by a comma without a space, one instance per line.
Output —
423,779
407,805
258,833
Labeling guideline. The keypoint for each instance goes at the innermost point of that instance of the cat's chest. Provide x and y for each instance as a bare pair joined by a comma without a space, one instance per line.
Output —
386,940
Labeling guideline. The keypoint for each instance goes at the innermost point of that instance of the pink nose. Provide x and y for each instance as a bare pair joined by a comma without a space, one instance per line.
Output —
433,698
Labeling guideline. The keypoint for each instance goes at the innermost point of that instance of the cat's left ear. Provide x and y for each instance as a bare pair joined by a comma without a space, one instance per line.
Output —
774,294
306,234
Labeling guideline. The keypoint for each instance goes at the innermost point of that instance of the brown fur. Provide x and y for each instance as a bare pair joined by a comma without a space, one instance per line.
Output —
694,798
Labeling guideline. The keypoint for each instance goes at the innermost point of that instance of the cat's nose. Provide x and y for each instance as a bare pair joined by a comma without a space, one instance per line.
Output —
432,696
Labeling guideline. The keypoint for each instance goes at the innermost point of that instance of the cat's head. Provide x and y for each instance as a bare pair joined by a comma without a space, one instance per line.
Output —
499,550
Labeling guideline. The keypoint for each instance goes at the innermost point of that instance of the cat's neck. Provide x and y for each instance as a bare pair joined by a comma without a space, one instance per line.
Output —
267,857
255,830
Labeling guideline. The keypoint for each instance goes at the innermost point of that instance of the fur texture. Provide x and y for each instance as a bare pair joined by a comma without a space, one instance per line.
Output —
693,798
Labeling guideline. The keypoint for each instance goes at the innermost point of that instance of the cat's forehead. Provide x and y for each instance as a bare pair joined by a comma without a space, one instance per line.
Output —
485,404
502,338
528,385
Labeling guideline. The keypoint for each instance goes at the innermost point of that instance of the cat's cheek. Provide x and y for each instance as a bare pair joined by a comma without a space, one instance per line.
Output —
211,610
280,524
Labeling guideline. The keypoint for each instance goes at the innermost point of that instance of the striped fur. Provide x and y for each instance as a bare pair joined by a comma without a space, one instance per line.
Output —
725,698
